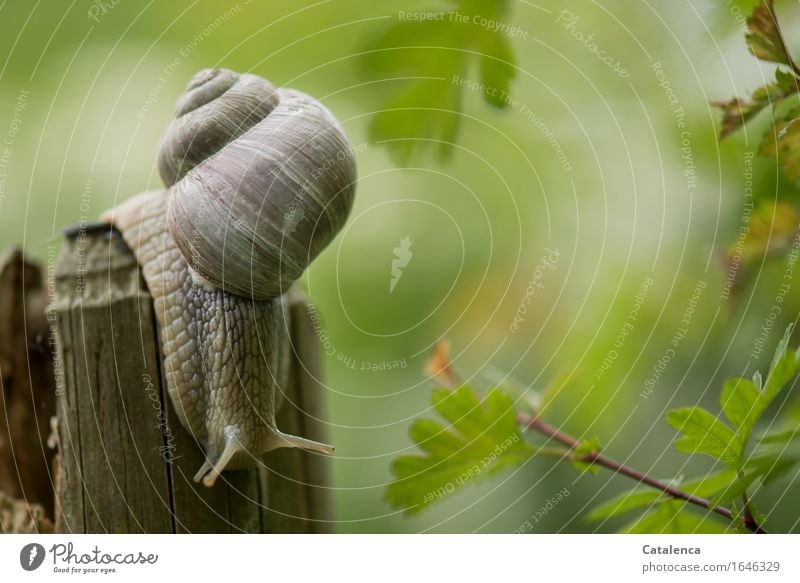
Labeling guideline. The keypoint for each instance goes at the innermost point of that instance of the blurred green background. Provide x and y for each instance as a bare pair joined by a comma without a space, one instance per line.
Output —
586,161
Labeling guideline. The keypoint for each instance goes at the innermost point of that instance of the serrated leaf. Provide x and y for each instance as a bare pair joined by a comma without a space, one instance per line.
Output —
424,114
640,498
784,143
424,63
785,84
736,112
672,517
704,433
738,400
765,467
785,366
481,438
710,484
764,39
772,229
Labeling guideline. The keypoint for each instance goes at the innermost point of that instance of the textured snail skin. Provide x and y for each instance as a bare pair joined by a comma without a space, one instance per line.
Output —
223,316
225,358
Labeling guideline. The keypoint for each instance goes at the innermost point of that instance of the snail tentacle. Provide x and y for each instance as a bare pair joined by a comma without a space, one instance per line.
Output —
280,439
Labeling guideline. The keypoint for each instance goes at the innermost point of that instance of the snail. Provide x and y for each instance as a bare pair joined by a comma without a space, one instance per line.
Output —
259,180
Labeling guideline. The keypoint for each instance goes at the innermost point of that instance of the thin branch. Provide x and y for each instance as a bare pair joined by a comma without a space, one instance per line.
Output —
774,17
440,367
596,458
749,519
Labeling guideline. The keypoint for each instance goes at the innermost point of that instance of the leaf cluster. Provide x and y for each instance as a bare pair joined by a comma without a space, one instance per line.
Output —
765,41
426,60
481,437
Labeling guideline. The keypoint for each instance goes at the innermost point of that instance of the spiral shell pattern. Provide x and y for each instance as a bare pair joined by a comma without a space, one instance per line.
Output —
261,180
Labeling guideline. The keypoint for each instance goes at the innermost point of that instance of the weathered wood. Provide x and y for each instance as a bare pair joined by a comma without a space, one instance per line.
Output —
28,388
21,517
300,415
126,462
112,477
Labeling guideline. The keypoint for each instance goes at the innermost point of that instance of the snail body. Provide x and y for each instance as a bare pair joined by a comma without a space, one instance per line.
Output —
259,181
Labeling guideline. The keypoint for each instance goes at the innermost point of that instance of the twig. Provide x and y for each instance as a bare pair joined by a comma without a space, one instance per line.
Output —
440,367
749,519
596,458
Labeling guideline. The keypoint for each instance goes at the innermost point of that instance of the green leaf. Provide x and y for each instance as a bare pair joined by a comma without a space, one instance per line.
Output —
710,484
625,502
586,447
785,84
481,438
496,68
784,143
772,229
743,404
704,433
772,470
738,399
764,39
737,112
640,498
424,65
672,517
766,467
763,471
772,463
735,489
785,366
781,436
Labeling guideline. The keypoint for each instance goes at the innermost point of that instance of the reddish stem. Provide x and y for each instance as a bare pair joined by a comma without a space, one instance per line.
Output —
596,458
441,368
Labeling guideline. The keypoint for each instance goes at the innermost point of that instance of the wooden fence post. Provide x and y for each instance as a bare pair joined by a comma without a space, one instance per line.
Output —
126,463
27,397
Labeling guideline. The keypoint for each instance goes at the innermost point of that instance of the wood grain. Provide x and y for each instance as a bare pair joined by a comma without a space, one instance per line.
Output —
27,384
126,463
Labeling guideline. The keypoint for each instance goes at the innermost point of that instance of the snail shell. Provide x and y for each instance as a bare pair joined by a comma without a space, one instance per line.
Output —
260,180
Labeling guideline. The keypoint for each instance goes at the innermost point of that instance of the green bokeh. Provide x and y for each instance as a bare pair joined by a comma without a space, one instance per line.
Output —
99,92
